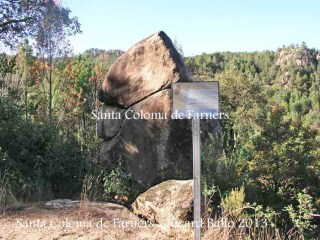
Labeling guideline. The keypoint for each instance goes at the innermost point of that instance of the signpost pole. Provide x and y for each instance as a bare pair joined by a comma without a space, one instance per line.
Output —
198,97
196,178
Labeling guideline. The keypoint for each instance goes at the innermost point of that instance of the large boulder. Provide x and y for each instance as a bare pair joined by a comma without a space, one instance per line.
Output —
168,203
154,149
149,66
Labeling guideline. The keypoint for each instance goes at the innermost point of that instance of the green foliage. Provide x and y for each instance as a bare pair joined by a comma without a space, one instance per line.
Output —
7,179
18,19
208,190
234,201
268,215
92,186
54,169
217,170
22,19
117,185
37,163
112,185
270,144
300,215
7,65
282,153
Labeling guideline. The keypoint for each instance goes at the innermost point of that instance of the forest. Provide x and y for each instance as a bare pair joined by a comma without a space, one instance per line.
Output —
270,145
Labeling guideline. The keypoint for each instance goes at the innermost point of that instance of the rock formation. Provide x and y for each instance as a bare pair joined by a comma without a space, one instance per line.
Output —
167,203
299,57
149,66
139,83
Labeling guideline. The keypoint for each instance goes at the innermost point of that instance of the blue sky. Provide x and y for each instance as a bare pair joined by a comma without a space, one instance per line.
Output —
200,26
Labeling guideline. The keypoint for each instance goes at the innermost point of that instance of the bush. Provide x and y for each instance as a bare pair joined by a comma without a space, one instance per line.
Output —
6,181
114,185
38,163
233,203
300,215
117,185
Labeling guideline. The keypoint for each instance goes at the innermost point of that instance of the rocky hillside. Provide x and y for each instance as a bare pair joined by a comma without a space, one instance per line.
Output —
301,57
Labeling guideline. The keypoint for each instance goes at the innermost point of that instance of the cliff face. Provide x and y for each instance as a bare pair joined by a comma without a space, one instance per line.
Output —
157,148
300,57
296,59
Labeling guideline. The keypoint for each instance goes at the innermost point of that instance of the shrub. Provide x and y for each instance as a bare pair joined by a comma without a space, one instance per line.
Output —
38,163
111,185
300,215
233,203
117,185
6,181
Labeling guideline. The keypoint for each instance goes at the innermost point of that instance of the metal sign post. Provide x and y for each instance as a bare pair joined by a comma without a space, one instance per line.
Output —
195,100
196,178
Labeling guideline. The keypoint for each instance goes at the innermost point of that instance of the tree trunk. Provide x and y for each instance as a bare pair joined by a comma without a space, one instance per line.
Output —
26,98
50,90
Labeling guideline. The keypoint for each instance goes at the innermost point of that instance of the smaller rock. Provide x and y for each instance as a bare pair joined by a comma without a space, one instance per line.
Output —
166,203
61,203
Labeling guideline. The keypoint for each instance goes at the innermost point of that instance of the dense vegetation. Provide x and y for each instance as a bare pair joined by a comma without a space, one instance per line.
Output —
47,137
45,157
272,136
48,144
271,141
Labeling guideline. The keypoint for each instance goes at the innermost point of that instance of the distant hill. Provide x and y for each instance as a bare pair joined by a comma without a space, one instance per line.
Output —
96,52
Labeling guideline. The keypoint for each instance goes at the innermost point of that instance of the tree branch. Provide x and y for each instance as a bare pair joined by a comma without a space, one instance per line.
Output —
14,21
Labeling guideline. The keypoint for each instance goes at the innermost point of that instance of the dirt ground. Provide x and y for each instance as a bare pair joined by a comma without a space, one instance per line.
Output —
97,221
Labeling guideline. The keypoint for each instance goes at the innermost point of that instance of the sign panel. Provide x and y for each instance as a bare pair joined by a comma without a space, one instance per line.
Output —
195,100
